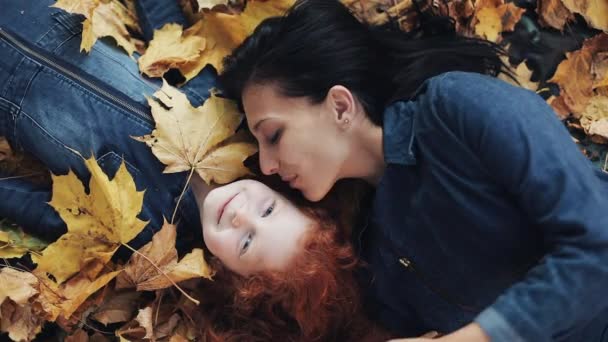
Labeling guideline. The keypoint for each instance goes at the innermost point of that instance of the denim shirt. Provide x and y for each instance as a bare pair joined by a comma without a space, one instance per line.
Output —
487,212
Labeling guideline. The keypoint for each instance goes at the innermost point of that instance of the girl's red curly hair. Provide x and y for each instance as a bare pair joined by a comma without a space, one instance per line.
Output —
316,299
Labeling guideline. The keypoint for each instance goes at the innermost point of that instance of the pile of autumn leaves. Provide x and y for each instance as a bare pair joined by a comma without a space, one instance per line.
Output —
75,281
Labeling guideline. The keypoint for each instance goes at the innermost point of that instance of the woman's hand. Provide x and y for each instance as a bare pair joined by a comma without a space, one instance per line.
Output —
469,333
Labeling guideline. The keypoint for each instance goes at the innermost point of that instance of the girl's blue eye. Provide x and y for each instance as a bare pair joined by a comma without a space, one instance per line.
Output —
247,243
269,210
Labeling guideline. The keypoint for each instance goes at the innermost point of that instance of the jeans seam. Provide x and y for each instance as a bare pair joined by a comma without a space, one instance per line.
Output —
136,76
134,118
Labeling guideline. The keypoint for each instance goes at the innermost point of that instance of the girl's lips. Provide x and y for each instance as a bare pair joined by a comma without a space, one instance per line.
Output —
220,210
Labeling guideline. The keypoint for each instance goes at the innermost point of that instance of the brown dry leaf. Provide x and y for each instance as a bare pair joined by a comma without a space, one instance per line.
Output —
461,11
79,336
22,165
595,117
17,286
574,75
367,10
104,19
599,70
21,322
119,307
553,13
494,16
144,318
170,50
559,106
523,76
60,302
98,222
224,32
161,250
595,12
186,136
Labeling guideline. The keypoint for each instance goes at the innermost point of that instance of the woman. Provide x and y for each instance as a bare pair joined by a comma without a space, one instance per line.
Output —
487,223
284,271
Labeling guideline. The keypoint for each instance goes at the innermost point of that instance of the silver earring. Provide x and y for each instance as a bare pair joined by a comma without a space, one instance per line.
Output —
346,121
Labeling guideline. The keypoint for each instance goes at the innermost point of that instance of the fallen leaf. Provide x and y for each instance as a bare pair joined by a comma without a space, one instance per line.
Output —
84,7
79,336
14,243
209,4
523,76
574,75
119,307
144,318
17,285
185,136
553,13
594,11
140,273
104,19
21,322
170,50
559,106
594,118
98,222
64,300
494,17
224,32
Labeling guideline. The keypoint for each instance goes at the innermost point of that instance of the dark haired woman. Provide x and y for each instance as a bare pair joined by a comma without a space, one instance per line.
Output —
487,223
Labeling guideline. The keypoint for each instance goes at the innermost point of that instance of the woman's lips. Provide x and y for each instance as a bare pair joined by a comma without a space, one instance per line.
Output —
221,209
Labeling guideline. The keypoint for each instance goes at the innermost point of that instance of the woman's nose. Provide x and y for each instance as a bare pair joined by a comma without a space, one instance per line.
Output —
268,163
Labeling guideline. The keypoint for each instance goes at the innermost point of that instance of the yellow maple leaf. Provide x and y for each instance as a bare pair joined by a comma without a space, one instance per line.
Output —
139,271
104,19
595,12
98,222
185,137
224,32
169,50
574,76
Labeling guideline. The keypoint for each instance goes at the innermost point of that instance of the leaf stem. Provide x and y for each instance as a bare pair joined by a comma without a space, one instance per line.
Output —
182,194
161,272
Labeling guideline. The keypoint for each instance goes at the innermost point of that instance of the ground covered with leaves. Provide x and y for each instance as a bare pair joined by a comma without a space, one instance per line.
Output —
72,289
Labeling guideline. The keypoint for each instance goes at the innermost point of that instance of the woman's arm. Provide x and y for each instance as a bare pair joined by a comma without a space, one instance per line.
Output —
529,153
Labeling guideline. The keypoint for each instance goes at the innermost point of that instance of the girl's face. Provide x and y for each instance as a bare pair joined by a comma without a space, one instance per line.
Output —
300,141
252,228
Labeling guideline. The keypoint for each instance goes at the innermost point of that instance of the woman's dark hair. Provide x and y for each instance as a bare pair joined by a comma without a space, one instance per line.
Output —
318,44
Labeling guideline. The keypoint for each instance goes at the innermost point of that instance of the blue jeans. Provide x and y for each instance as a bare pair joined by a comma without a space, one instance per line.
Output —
53,97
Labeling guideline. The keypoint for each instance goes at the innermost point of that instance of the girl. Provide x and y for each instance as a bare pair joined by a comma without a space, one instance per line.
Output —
487,223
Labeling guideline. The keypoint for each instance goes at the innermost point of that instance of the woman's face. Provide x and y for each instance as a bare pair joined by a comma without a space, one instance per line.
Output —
300,141
252,228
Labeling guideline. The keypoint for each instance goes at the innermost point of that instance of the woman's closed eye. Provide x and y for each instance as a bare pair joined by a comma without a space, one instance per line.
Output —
275,137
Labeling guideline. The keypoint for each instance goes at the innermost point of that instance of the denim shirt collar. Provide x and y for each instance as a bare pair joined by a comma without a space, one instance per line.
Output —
398,133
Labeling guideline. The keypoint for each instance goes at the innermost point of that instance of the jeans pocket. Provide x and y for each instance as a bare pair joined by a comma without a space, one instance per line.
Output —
110,162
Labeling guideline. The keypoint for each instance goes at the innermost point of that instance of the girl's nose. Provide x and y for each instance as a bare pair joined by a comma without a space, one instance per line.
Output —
240,218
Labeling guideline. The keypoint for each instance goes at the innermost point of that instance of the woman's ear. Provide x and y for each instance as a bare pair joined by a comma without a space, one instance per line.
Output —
342,104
